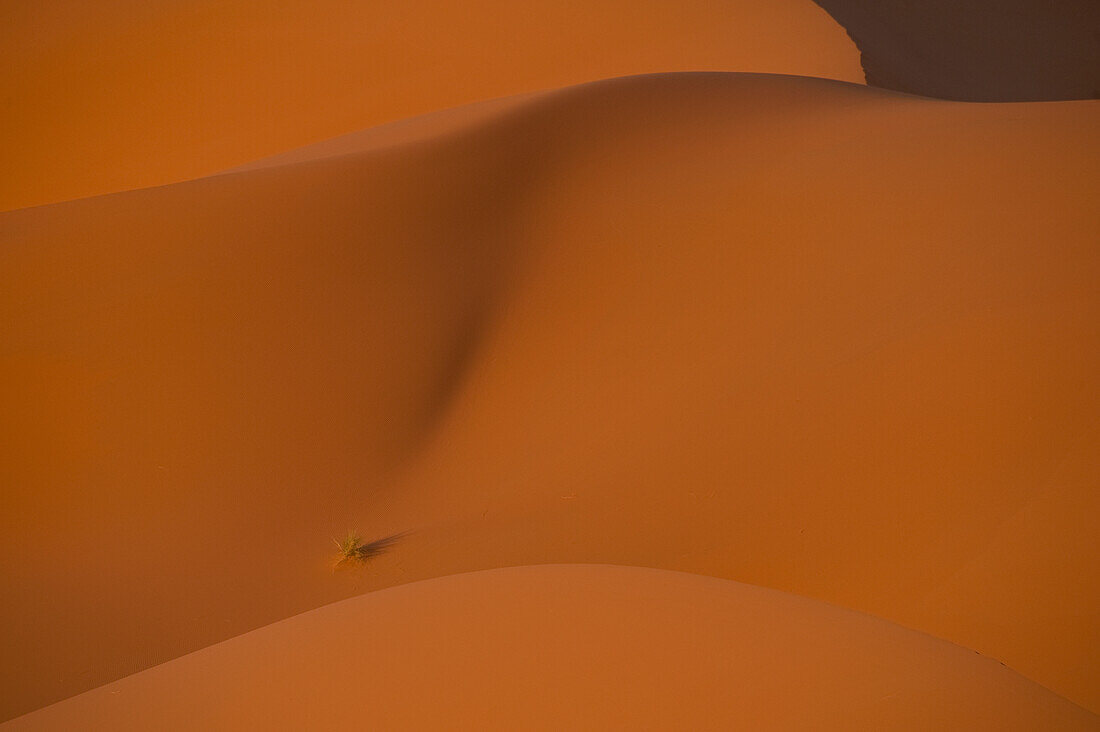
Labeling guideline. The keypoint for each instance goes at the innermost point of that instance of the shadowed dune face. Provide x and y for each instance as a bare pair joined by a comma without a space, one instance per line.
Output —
848,351
977,50
197,380
120,94
787,331
573,647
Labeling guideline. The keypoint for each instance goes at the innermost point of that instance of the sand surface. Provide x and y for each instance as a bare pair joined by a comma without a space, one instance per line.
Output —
573,647
791,332
119,94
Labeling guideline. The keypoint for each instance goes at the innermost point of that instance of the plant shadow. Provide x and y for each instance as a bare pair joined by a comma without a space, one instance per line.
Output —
361,553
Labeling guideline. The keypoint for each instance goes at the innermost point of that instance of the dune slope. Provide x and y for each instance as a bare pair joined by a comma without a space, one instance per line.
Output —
122,94
573,647
978,50
792,332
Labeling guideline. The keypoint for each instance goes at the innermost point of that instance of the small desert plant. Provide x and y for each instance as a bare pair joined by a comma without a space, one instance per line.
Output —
351,548
353,551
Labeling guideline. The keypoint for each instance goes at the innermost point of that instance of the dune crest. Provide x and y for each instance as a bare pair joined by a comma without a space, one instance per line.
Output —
115,95
573,647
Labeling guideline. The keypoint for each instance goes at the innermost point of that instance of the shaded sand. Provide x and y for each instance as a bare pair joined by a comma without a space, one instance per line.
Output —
120,94
573,647
977,50
792,332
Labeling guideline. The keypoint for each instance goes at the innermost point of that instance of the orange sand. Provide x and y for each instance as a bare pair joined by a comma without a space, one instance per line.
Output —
119,94
792,332
573,647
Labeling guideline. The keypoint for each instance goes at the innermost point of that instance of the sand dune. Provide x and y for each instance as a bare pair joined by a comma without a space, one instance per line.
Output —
573,647
977,50
120,94
792,332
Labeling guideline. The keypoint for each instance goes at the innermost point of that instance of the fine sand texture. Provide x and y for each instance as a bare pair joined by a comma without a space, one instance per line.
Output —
573,647
798,333
977,50
119,94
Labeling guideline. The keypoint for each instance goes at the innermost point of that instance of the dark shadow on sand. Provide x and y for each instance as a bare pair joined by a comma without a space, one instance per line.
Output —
977,50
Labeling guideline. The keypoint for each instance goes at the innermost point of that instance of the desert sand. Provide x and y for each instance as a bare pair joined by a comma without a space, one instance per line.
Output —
573,647
796,333
113,95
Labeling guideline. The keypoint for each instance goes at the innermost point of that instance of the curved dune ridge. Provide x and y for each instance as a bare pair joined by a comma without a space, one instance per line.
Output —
573,647
798,333
122,94
977,50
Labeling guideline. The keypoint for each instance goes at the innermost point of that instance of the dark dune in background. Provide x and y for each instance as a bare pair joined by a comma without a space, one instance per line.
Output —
977,50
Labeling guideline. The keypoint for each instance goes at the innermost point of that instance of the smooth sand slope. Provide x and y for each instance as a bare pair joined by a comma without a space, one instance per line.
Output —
977,50
119,94
574,647
797,333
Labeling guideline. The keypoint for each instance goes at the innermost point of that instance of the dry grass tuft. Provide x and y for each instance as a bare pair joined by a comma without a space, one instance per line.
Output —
353,552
